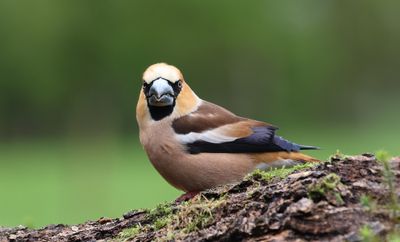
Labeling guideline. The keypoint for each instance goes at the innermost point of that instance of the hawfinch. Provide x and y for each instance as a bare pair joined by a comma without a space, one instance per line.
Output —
195,144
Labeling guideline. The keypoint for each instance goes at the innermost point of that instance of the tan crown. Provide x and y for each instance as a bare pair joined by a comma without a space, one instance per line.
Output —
163,70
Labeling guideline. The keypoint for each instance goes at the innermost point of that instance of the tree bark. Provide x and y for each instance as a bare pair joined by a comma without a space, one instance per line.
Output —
321,203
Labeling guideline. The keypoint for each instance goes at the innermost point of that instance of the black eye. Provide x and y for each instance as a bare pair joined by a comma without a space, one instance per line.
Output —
179,83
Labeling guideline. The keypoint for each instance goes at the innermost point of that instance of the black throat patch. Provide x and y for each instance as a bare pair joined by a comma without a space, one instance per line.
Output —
158,113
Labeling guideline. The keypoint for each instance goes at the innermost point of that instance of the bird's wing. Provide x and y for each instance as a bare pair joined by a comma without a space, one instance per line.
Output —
213,129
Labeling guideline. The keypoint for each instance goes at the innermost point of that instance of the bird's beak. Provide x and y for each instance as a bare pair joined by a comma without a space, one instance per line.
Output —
160,94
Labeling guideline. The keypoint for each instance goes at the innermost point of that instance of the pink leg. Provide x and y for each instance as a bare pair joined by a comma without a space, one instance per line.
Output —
187,196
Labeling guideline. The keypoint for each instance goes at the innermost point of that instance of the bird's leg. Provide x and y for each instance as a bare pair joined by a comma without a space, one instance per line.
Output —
187,196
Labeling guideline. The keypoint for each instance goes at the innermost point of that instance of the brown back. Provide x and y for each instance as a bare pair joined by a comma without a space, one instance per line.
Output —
207,116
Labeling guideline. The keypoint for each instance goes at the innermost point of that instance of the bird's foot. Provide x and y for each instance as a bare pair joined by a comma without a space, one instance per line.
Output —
185,197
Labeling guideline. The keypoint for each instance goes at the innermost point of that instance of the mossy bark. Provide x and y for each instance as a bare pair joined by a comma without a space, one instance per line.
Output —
320,203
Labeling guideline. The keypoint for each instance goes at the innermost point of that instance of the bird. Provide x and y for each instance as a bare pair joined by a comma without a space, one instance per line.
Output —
197,145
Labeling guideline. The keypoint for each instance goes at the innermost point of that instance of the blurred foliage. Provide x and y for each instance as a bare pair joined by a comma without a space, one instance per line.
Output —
74,67
327,72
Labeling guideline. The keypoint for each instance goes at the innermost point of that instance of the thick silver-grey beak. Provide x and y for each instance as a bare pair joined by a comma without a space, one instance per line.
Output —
161,94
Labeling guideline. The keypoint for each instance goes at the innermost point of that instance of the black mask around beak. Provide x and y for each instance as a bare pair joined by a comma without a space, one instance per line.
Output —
160,93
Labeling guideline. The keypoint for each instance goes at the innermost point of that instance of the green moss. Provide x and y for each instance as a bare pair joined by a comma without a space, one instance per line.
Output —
159,216
383,158
393,237
331,181
161,210
170,236
327,183
337,156
259,176
367,235
199,221
174,222
325,187
278,172
128,233
162,222
368,203
198,214
339,199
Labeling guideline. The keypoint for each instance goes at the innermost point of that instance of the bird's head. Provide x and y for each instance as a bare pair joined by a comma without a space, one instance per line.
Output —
162,84
165,90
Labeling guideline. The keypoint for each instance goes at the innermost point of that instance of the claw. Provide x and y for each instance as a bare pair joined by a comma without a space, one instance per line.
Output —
185,197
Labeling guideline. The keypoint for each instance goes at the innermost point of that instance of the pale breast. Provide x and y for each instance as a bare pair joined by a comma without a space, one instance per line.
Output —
191,172
163,150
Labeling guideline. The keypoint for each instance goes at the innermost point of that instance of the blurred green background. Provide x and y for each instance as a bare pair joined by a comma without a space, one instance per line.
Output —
325,72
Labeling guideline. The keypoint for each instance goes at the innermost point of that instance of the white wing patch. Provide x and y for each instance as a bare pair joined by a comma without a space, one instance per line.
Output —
211,136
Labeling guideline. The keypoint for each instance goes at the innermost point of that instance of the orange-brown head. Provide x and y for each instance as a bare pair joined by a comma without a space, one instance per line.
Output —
165,93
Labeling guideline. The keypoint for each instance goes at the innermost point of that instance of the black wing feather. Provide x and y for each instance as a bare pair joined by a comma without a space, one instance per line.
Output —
263,139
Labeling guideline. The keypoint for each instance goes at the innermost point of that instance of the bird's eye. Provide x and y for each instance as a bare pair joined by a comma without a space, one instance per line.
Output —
179,83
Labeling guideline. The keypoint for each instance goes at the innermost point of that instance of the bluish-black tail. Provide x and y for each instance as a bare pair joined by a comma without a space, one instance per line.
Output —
290,146
308,147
